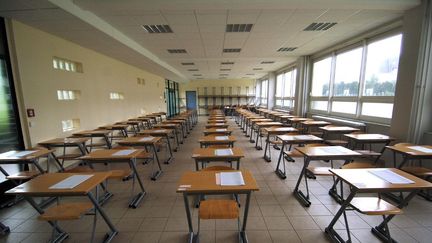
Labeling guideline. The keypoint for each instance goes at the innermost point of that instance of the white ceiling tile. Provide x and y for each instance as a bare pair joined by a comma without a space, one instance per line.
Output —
180,19
212,19
177,28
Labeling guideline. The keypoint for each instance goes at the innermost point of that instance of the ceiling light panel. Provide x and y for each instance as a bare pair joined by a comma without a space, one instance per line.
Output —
176,51
319,26
193,70
257,69
227,63
157,29
225,69
267,62
231,50
286,49
238,28
187,63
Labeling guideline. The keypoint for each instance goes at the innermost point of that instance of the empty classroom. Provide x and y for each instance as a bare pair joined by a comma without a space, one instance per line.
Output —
213,121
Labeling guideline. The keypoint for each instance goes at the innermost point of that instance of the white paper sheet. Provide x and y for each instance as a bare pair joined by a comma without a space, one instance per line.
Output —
221,138
23,153
333,150
231,179
123,152
159,130
391,177
303,137
219,123
145,139
70,182
221,130
223,152
421,149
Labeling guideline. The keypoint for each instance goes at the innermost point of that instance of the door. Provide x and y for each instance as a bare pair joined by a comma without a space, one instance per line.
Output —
191,103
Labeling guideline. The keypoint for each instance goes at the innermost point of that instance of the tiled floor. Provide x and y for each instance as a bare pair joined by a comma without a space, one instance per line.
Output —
275,215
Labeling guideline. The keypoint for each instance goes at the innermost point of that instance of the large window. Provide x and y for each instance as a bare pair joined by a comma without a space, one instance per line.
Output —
264,89
359,82
285,89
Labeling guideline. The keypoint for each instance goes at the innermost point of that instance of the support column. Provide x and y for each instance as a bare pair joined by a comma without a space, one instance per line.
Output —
271,91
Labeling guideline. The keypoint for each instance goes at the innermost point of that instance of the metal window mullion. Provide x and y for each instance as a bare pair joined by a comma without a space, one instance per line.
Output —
362,79
331,83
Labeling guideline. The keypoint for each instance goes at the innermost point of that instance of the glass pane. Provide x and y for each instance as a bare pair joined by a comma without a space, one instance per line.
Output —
279,85
61,64
59,95
287,103
344,107
71,95
287,87
383,110
264,87
293,82
278,102
55,63
67,66
348,73
321,77
382,66
319,105
72,67
65,94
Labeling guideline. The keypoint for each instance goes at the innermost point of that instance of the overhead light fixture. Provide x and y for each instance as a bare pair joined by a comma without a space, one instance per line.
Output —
157,29
176,51
187,63
319,26
193,70
197,75
231,50
267,62
257,69
286,49
250,74
238,27
225,69
227,63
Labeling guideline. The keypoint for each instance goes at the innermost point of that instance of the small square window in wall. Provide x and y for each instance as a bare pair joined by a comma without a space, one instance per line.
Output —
68,94
67,65
116,96
71,124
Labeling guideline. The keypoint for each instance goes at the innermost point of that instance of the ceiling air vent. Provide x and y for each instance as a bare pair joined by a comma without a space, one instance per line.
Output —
227,63
225,69
257,69
187,63
193,70
239,27
319,26
230,50
197,75
157,29
267,62
176,51
285,49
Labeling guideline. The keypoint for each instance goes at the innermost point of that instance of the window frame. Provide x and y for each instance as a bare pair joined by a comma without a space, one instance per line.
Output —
360,98
293,70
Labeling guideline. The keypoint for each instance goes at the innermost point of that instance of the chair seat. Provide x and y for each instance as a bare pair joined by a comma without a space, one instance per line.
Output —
218,209
417,170
66,211
23,175
374,206
320,171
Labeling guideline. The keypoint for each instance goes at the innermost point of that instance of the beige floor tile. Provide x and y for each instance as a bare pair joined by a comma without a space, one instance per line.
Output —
278,223
284,236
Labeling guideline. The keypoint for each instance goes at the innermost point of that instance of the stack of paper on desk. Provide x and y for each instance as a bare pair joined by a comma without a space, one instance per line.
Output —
70,182
223,152
221,137
391,177
124,152
421,149
230,179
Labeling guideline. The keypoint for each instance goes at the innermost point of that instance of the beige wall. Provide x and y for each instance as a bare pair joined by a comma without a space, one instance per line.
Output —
39,83
226,83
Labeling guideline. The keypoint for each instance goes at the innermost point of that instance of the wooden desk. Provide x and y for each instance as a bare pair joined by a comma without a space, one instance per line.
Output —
14,157
64,143
261,125
122,128
204,155
212,121
290,140
185,121
214,140
409,154
104,134
311,124
40,187
109,156
204,182
274,131
362,139
216,125
134,124
182,123
146,143
173,126
219,131
164,133
362,181
250,123
145,122
319,153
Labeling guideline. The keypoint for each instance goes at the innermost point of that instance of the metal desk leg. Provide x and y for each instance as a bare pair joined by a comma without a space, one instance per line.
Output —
170,150
191,234
257,138
251,134
107,141
303,199
329,229
4,229
157,173
267,147
245,217
114,231
137,199
279,172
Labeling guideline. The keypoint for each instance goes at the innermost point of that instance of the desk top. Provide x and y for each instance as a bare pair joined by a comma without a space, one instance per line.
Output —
92,133
364,137
280,130
205,182
110,154
115,126
64,141
339,129
23,155
216,130
200,153
365,181
330,152
40,186
315,123
268,124
212,138
156,131
139,119
174,121
216,125
412,150
299,119
139,140
255,120
167,125
210,122
299,138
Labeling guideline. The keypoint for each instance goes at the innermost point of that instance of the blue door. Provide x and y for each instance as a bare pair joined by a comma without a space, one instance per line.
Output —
191,103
